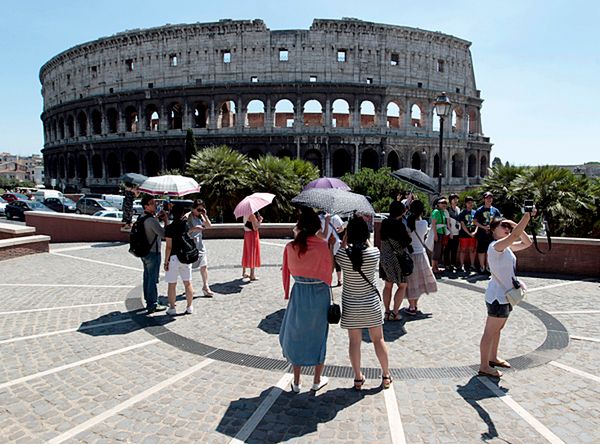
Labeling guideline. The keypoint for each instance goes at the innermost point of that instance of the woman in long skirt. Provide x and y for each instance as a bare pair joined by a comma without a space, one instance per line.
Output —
304,329
251,253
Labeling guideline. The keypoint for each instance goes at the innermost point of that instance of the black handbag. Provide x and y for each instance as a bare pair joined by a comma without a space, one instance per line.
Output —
334,312
406,263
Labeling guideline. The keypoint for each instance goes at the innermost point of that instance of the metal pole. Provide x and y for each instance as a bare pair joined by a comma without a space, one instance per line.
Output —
440,163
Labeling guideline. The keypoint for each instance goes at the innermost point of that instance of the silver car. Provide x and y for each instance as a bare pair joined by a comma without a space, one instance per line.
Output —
91,205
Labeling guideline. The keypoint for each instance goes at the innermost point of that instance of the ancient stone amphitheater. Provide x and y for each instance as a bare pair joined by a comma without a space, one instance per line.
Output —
344,94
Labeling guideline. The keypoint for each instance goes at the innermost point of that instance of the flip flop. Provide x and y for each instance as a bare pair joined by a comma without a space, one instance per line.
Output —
358,383
503,364
497,375
386,381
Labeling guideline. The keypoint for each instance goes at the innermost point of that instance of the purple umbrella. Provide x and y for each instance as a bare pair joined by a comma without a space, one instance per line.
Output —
327,182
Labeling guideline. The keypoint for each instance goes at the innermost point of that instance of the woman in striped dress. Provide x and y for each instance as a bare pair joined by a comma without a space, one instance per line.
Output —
361,302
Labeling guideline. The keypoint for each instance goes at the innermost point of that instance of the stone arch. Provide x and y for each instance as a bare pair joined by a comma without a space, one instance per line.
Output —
113,166
62,173
473,127
457,120
284,152
457,165
483,166
254,153
112,116
200,115
152,117
314,156
435,121
255,114
342,162
175,161
53,129
312,111
393,160
131,163
82,167
70,126
369,159
61,128
54,167
415,161
131,119
97,167
175,115
416,116
82,124
472,166
340,114
227,114
70,167
393,114
284,114
368,117
96,122
151,163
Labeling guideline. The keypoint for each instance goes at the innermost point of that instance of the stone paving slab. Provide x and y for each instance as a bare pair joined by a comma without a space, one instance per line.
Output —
16,298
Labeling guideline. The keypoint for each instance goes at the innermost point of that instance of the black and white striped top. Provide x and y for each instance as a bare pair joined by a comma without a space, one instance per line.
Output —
361,305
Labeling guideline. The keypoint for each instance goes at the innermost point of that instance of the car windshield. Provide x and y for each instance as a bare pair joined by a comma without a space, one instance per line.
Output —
105,203
2,200
36,205
67,201
20,196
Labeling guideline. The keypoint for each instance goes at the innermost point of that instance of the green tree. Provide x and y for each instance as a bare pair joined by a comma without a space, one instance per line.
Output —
190,145
499,183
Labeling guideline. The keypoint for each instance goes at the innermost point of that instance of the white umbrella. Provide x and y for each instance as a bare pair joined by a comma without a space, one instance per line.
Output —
253,203
170,185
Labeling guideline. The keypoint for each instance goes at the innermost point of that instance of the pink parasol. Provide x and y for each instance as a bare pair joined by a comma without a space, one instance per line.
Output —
327,182
253,203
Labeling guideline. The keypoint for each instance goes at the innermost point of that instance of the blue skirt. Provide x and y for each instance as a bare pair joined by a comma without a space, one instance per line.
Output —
304,329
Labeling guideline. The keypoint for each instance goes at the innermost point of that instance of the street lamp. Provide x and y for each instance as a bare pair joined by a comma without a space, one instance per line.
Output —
442,109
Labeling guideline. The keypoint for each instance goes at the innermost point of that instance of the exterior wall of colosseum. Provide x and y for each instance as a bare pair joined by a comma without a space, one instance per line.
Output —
344,94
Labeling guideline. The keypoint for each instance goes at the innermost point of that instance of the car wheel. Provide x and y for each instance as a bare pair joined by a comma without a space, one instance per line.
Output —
78,211
8,215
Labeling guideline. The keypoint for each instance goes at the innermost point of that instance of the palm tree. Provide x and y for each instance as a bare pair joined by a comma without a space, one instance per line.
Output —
499,182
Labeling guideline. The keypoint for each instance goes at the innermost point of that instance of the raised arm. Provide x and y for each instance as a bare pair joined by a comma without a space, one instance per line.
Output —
517,234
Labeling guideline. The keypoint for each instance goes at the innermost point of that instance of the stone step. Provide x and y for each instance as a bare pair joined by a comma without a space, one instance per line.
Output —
24,245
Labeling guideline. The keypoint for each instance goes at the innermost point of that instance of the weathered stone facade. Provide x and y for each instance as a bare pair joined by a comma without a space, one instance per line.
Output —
343,94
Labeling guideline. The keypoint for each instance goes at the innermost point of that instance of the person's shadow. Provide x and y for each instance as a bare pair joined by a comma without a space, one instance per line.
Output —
120,323
231,287
292,415
271,323
474,391
392,330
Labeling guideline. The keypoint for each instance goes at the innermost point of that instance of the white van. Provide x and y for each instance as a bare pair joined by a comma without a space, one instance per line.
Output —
41,195
116,200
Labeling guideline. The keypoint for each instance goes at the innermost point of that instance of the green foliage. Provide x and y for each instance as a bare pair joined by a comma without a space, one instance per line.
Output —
9,184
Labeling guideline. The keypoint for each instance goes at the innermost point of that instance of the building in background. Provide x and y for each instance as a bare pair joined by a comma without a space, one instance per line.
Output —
22,168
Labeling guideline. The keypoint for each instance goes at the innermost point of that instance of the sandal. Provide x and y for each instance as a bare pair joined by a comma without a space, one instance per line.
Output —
387,315
394,316
207,292
358,383
498,374
500,363
386,381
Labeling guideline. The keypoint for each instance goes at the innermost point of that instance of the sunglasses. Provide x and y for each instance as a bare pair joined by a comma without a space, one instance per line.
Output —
506,225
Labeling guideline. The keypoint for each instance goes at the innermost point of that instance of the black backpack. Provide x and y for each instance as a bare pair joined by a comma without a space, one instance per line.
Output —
138,241
188,253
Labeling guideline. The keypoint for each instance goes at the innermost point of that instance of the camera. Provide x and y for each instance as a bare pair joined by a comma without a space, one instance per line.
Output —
528,206
516,283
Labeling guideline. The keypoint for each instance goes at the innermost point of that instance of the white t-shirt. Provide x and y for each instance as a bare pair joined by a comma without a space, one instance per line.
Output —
502,265
421,227
334,224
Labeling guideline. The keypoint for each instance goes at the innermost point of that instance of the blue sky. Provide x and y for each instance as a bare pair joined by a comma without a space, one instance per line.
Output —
536,63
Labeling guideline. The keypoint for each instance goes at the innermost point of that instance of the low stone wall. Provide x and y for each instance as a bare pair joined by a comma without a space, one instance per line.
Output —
21,246
10,231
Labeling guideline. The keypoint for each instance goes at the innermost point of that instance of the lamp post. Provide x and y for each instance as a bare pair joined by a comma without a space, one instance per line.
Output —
442,109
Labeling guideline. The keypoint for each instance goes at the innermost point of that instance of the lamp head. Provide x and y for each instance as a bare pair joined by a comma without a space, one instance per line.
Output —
443,105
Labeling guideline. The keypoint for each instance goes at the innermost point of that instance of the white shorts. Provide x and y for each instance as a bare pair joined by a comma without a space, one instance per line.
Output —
202,260
176,268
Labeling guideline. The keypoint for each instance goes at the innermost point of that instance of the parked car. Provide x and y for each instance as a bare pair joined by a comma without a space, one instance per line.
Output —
42,195
113,214
9,197
18,208
137,207
2,205
60,204
88,205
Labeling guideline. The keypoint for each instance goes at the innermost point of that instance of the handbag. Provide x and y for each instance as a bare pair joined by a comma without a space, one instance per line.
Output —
334,313
516,294
406,263
429,240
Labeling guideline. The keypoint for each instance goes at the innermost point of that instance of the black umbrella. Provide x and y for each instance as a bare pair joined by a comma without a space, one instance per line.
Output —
417,178
134,178
334,201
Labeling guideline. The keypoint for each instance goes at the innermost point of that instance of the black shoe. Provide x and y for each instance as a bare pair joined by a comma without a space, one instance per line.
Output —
155,308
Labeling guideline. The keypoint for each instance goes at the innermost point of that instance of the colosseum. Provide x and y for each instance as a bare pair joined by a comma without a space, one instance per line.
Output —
344,94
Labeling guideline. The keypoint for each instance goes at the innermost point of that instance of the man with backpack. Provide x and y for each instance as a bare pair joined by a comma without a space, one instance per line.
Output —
154,233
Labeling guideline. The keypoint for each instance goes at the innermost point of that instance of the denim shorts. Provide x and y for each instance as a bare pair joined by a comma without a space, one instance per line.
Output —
498,310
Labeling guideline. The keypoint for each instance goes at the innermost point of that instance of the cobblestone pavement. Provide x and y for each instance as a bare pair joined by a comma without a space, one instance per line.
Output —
78,363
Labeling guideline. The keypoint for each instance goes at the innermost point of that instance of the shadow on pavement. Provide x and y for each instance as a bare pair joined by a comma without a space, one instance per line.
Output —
474,391
392,330
108,244
120,323
231,287
292,415
271,323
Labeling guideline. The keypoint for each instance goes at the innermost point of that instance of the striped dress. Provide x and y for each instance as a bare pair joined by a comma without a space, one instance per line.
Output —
361,304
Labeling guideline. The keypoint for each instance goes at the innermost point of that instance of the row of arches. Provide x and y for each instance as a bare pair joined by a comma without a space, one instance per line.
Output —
398,114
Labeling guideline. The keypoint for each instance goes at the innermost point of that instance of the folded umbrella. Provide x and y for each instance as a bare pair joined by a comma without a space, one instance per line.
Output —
134,178
327,182
334,201
170,185
417,178
251,204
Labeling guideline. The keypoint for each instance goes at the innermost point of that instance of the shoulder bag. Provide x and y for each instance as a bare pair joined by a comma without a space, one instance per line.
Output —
514,295
334,313
429,240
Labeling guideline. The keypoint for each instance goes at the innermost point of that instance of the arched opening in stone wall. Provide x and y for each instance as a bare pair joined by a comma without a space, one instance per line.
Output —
457,165
254,153
472,122
472,166
415,161
70,125
369,159
435,122
113,166
175,114
61,128
367,114
342,162
227,114
131,163
255,114
82,167
81,124
284,114
416,114
313,113
285,153
393,115
61,167
152,118
112,116
457,120
393,161
314,157
340,114
97,167
175,161
70,167
131,119
436,166
200,115
483,167
54,168
151,163
96,122
54,129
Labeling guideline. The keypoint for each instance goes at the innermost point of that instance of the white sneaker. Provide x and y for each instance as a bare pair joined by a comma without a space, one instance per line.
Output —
171,311
324,381
189,310
296,388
